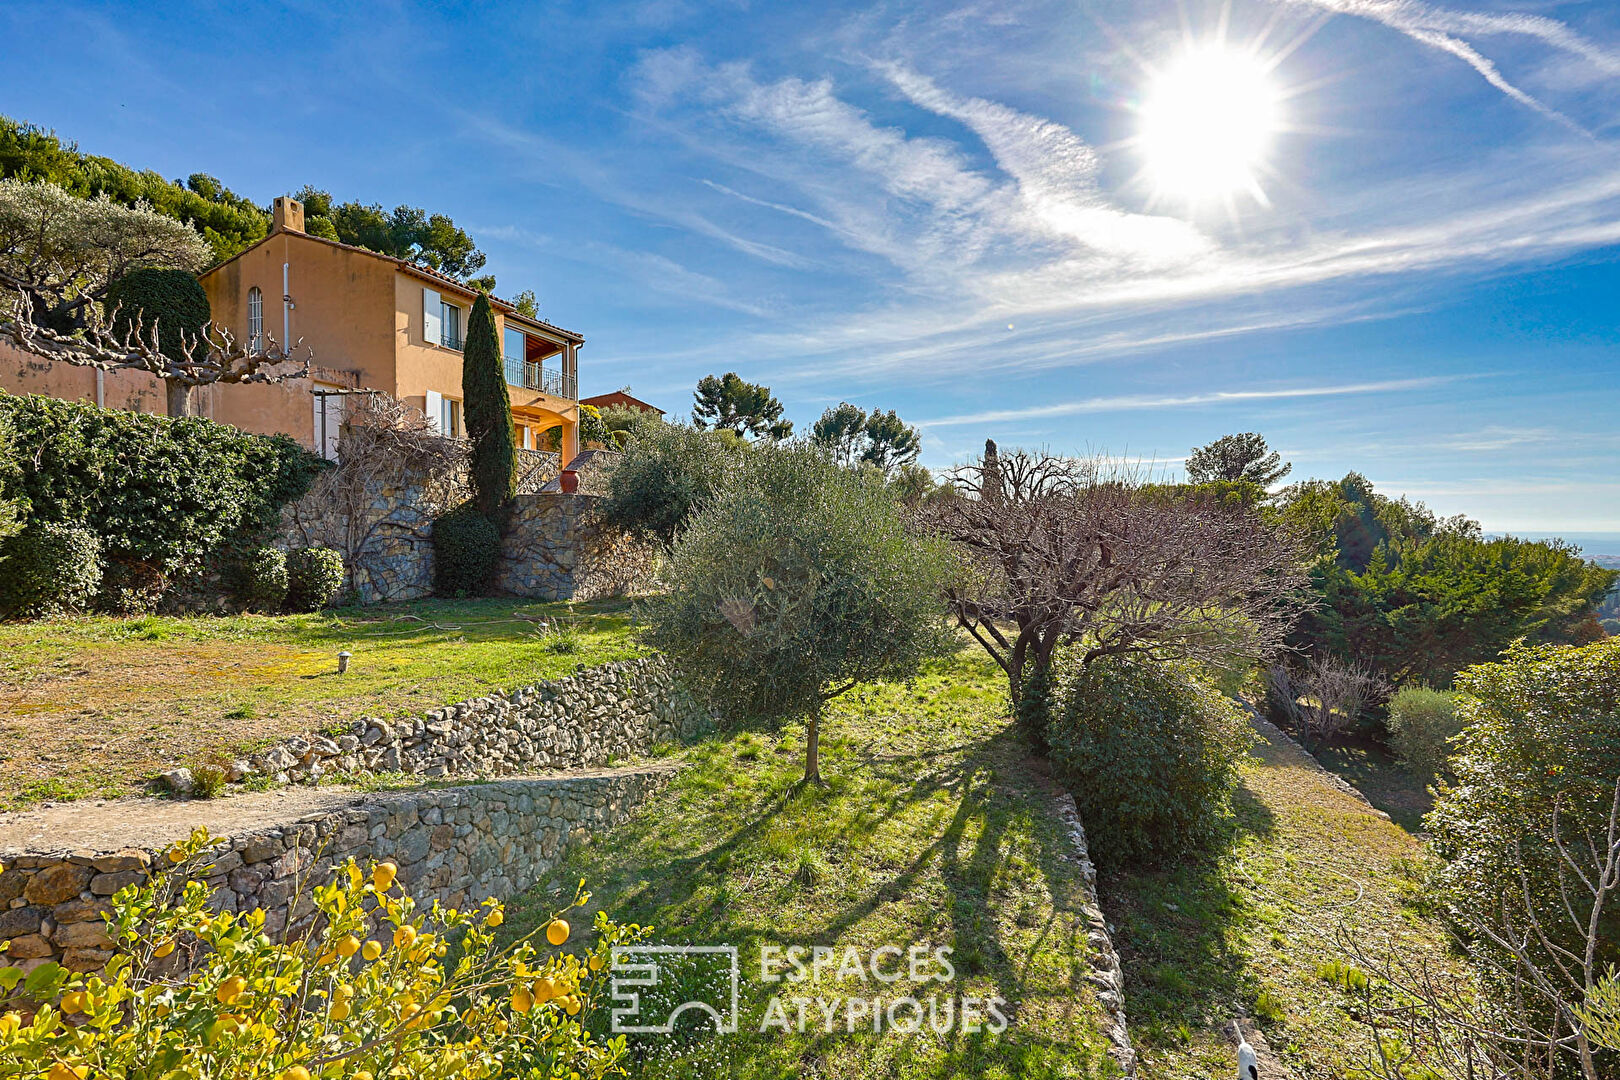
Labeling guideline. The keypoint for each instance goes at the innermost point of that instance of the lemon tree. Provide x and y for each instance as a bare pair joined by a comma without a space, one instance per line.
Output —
378,987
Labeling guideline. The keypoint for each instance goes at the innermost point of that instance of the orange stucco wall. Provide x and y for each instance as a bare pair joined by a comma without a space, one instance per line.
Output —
23,373
360,315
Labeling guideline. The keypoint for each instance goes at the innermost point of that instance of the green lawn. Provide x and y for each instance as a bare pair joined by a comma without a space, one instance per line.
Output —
90,706
937,830
1250,932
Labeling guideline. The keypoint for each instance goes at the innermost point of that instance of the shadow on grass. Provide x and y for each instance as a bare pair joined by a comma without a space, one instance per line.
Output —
943,839
1177,935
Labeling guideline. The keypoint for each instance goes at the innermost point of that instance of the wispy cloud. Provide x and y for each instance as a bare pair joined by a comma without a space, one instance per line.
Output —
1129,402
1447,30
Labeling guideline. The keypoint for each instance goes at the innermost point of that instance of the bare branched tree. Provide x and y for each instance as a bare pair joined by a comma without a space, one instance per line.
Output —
1327,697
1540,1009
1060,550
59,256
385,449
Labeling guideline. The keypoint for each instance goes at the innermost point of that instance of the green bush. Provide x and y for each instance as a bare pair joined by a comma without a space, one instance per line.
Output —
49,569
170,302
175,496
1541,729
130,587
668,471
1150,752
314,577
1421,724
466,548
265,579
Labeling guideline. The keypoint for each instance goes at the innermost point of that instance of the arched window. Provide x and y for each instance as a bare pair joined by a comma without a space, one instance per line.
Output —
255,319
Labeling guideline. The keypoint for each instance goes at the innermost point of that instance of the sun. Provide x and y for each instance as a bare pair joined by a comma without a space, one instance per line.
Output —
1208,120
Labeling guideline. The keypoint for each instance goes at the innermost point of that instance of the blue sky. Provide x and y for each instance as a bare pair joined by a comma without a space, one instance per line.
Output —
943,209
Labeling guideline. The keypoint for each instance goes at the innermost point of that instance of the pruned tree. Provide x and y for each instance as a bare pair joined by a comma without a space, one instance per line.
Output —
58,258
1237,457
729,403
1059,550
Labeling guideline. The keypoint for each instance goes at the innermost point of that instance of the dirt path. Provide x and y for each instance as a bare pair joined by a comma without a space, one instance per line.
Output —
115,824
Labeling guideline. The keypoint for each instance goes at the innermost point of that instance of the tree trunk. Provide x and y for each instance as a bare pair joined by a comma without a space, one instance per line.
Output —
179,395
812,749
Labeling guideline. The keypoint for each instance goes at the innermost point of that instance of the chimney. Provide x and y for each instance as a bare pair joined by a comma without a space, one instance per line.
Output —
286,215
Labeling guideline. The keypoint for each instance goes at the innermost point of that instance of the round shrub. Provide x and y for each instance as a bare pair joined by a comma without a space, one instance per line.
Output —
265,579
1421,725
171,301
314,576
48,568
466,548
1150,752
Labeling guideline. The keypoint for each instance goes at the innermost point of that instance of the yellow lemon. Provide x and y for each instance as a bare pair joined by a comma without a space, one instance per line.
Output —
522,1000
176,855
344,992
363,1074
495,917
371,950
404,937
557,931
383,874
408,1013
10,1023
340,1010
596,963
164,949
297,1072
60,1071
348,946
231,989
572,1005
72,1002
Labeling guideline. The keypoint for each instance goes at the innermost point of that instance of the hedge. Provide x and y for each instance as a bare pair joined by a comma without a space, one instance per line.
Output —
174,496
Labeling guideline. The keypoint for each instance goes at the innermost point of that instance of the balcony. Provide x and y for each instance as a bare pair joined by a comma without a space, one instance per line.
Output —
450,339
536,375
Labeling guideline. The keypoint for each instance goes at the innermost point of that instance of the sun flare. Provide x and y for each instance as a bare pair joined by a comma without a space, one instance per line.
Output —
1207,124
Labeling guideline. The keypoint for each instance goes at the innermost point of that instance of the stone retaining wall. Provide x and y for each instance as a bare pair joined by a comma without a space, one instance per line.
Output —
616,710
456,845
555,549
1106,973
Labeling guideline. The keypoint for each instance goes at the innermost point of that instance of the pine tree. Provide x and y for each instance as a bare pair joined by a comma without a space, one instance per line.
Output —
488,410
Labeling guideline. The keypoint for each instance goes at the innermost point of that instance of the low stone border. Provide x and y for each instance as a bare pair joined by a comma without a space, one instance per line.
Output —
457,845
1106,973
614,711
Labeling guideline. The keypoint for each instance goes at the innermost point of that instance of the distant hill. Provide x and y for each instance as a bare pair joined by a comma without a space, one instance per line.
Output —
1610,562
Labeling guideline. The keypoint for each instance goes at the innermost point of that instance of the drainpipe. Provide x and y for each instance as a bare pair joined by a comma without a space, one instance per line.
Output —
286,311
101,389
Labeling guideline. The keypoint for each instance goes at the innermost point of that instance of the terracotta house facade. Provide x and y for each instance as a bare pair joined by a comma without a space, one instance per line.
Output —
372,321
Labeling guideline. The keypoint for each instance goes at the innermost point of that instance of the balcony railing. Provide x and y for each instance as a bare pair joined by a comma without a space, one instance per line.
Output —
534,375
450,340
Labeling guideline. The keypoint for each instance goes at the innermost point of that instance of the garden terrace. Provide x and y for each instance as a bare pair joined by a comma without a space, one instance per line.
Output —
937,828
94,705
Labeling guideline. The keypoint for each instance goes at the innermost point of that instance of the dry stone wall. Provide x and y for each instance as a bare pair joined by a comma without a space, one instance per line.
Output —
457,845
614,711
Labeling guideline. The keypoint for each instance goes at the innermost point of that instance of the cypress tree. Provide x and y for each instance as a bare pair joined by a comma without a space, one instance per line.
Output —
488,412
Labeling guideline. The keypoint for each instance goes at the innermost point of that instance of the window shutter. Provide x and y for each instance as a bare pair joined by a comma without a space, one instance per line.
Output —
435,411
431,316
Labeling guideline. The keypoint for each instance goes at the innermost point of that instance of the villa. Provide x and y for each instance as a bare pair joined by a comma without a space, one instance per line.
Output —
373,322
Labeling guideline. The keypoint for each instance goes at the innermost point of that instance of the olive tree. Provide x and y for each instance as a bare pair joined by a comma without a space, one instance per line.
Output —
797,581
